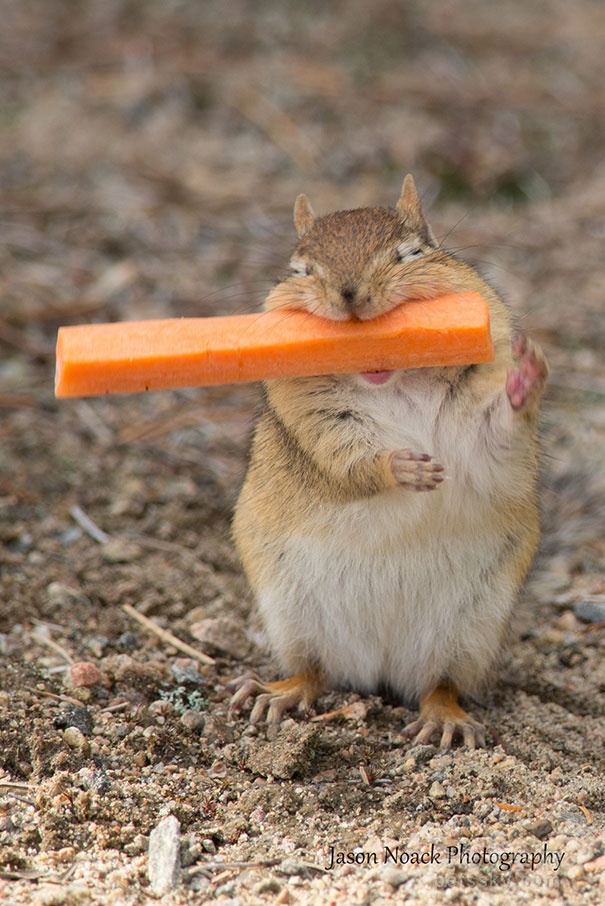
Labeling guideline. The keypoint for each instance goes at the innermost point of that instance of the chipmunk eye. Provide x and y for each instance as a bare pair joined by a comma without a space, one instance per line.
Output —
408,251
299,268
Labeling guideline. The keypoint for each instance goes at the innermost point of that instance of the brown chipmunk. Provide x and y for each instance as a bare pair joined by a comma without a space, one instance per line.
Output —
370,571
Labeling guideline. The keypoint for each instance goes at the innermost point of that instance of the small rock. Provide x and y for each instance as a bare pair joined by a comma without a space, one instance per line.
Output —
97,645
421,754
590,611
568,621
597,864
266,886
128,641
192,721
62,595
50,895
164,856
394,877
75,716
95,779
583,856
75,739
437,790
83,673
291,868
160,708
137,846
540,829
187,675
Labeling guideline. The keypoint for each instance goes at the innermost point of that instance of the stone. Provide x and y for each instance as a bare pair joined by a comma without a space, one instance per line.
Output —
164,856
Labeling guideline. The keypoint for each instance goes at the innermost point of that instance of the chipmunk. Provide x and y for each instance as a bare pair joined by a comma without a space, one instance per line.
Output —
369,569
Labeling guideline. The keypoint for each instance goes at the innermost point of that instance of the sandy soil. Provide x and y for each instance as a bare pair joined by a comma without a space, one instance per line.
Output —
149,157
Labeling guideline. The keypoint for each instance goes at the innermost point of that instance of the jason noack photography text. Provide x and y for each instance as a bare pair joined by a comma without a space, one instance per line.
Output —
462,854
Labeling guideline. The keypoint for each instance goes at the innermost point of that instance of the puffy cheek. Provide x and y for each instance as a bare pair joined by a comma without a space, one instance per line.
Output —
416,283
295,293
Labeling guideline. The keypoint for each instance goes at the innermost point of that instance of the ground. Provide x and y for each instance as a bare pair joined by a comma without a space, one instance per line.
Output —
150,153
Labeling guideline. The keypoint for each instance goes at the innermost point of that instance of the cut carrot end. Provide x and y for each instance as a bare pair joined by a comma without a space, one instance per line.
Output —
139,356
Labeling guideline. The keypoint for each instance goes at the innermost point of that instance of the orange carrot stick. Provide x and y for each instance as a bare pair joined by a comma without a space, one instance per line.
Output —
135,356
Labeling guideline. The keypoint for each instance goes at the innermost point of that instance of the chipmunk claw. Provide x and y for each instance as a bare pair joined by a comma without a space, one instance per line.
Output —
471,732
247,687
275,698
416,471
441,713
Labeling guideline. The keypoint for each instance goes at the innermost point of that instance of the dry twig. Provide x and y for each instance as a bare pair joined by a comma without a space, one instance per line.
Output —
50,643
87,525
167,637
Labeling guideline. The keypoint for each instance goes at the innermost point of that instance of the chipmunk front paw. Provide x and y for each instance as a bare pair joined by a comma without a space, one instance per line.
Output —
525,382
416,471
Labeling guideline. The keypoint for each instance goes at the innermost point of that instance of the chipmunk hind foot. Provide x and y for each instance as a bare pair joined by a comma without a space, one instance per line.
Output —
440,712
275,698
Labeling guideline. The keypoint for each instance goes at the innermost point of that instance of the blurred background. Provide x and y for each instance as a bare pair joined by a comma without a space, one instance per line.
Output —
150,152
150,155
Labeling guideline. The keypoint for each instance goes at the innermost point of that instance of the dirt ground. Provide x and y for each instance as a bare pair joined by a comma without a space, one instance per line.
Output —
150,153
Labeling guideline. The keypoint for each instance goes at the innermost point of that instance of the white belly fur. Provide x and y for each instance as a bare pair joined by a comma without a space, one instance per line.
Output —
403,589
402,614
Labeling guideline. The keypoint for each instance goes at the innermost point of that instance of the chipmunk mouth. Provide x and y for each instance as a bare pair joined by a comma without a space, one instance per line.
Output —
376,377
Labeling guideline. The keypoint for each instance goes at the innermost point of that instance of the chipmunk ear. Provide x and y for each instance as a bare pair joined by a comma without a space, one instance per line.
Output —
408,200
304,217
411,210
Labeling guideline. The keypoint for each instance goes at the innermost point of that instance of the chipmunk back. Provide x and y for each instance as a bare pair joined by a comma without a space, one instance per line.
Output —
388,519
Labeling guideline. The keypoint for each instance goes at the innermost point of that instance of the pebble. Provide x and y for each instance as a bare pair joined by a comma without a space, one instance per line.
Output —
394,877
164,856
83,673
291,868
597,864
267,886
187,675
128,641
192,721
437,790
541,829
75,716
590,611
75,739
62,595
421,754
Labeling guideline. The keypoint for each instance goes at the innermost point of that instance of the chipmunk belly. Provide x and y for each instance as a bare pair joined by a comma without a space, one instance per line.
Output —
376,601
403,588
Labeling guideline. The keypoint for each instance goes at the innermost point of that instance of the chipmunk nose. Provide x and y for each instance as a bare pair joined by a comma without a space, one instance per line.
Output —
349,296
356,301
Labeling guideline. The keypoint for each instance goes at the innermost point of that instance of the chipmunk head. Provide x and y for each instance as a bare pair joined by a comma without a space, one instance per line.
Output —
363,262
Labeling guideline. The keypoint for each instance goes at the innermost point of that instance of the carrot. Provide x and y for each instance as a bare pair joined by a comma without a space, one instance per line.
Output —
134,356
